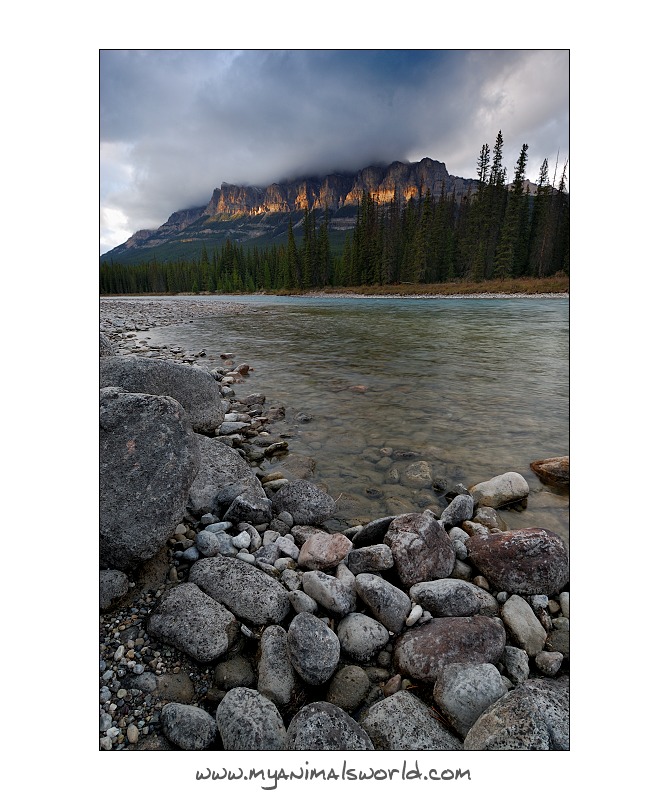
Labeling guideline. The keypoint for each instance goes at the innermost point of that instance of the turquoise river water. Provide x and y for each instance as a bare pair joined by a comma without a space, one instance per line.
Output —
472,387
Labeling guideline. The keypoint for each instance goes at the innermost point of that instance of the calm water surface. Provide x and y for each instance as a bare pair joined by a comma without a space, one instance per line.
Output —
472,387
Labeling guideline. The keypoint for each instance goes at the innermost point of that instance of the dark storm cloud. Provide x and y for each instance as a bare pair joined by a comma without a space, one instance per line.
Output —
175,124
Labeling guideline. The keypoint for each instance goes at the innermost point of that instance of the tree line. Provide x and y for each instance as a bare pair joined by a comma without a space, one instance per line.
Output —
499,231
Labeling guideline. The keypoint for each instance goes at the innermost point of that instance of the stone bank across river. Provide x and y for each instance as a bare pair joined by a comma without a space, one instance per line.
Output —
239,612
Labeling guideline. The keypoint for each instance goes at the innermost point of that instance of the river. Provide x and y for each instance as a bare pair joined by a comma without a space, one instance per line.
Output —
471,387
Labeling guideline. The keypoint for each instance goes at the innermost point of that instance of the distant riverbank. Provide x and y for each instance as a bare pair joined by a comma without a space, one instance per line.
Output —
556,286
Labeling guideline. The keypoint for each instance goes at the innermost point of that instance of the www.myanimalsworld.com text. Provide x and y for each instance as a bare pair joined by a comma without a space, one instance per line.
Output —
272,778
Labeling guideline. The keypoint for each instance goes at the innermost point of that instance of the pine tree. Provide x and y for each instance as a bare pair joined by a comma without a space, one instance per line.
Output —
292,277
510,255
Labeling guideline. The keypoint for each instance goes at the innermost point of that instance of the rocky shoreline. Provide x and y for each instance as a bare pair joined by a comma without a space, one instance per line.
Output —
235,616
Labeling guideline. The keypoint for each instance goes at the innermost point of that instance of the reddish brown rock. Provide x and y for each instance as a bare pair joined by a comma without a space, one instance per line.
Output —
423,652
526,561
324,551
421,548
554,471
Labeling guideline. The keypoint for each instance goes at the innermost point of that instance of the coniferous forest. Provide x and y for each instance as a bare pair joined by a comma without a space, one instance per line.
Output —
499,231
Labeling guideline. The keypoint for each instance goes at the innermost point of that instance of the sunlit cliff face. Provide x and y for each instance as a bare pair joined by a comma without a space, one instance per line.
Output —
334,191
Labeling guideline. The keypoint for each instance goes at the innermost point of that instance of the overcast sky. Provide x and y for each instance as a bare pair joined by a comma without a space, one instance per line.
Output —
175,124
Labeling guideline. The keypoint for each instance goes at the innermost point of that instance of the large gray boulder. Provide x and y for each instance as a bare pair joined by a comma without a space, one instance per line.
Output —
446,597
386,603
403,722
305,502
276,676
421,549
223,475
248,721
192,622
113,585
374,558
526,561
248,592
188,727
464,691
535,716
361,637
313,649
148,461
106,347
423,652
325,726
195,389
329,592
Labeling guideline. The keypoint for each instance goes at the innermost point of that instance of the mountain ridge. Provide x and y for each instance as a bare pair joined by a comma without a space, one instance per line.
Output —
261,214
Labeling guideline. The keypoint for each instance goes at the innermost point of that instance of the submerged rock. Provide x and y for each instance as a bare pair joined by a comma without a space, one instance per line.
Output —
554,471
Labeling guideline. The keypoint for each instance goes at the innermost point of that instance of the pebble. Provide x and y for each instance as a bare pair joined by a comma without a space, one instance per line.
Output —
250,559
242,539
269,537
384,659
132,734
415,614
191,554
219,527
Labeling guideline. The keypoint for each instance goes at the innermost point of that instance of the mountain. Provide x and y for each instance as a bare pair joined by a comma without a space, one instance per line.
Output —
260,215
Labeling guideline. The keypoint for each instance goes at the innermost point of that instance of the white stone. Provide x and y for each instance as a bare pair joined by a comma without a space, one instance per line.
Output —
414,616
